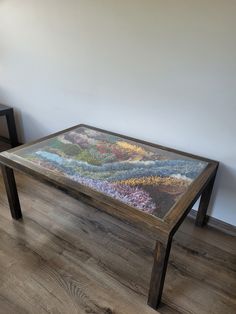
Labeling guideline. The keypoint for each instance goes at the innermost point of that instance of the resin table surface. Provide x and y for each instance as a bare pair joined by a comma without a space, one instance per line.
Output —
141,176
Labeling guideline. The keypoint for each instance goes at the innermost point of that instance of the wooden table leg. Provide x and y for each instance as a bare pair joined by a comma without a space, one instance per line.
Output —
12,194
204,202
12,128
161,256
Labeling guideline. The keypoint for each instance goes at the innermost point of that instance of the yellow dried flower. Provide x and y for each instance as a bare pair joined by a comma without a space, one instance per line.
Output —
134,148
154,180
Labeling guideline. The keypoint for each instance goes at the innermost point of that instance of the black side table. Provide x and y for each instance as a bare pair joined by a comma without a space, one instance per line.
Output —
8,112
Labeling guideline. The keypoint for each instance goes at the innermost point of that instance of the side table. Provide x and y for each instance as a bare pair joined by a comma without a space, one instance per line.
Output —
9,114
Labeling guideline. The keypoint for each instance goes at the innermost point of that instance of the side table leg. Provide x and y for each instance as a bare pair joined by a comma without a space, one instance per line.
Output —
161,256
12,128
204,202
12,194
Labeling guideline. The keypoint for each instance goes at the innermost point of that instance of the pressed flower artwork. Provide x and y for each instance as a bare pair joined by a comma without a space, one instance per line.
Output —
141,176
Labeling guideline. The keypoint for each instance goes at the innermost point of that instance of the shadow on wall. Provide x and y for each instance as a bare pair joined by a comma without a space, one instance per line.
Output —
224,188
34,128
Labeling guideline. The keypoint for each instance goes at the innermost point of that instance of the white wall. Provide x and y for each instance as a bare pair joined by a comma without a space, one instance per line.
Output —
163,71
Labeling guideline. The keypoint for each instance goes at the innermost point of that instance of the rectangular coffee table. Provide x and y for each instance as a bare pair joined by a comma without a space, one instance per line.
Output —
148,186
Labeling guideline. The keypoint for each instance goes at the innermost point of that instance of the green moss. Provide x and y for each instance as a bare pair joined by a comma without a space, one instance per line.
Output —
85,155
67,149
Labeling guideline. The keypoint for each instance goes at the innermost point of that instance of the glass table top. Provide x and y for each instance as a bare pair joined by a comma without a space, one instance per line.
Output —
139,175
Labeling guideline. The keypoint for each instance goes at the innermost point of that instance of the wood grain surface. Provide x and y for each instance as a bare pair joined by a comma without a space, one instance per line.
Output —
64,258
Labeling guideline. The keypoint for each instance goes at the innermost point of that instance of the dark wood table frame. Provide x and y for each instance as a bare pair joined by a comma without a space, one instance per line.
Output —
8,112
161,230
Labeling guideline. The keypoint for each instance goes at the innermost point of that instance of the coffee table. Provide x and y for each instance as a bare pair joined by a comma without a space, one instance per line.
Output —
148,186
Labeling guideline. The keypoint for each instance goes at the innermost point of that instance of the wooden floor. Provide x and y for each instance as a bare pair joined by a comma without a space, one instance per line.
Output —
67,257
